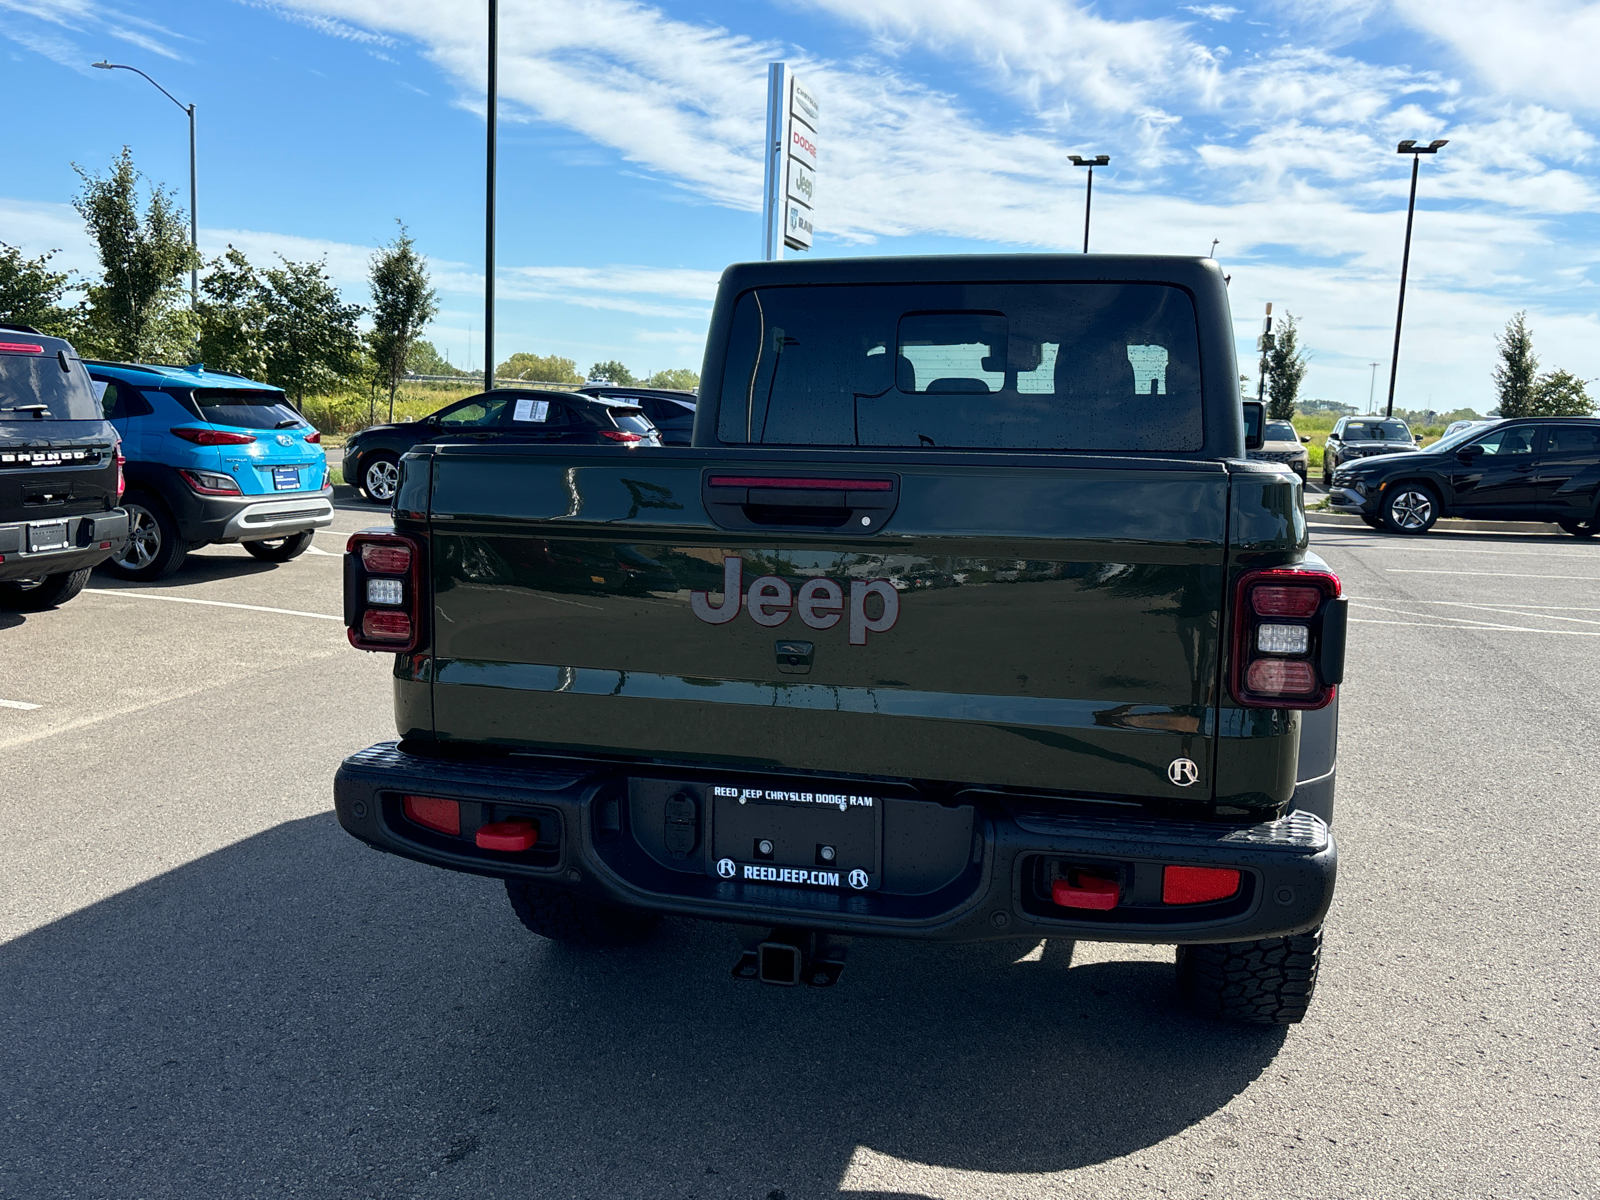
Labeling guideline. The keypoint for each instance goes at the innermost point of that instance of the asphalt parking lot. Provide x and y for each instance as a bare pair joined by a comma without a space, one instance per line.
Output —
207,989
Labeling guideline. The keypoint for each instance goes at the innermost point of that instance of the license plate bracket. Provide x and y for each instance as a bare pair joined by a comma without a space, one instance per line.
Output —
47,535
797,824
286,479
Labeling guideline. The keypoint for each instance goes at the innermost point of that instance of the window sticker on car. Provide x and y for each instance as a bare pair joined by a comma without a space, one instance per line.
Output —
531,410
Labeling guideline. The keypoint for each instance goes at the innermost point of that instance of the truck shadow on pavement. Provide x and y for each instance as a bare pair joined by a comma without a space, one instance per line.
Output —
297,1015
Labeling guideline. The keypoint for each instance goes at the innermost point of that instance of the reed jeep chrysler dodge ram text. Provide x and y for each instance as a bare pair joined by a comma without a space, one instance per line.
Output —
963,617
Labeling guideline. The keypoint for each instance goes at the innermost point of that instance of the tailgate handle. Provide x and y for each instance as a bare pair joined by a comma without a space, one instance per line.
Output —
843,504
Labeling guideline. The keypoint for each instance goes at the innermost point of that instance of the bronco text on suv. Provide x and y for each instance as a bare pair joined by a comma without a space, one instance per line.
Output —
964,617
60,473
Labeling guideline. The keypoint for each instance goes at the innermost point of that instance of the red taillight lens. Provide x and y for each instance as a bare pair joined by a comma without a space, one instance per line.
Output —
1287,665
20,348
209,483
121,485
1281,677
618,436
441,816
1276,600
386,558
314,436
1198,885
386,625
510,836
211,437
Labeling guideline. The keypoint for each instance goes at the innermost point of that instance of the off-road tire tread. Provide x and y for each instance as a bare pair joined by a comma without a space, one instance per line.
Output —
1269,982
576,920
55,591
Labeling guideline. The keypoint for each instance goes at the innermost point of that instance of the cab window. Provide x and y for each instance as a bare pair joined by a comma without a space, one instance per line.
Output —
474,414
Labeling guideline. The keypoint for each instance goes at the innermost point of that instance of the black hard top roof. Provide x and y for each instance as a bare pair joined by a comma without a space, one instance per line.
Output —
12,331
1193,272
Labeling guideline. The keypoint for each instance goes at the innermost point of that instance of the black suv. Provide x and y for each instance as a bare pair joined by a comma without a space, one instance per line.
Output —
60,473
1528,469
669,410
1364,437
372,457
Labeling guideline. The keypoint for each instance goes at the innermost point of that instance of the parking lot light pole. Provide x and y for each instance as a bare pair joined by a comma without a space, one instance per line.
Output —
1078,160
194,217
1409,146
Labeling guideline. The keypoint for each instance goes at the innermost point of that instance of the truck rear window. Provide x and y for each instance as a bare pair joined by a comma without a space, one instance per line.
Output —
1036,366
27,379
244,409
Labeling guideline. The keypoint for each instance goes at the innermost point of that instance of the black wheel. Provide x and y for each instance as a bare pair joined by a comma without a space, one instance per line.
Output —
380,477
576,920
1583,529
1411,508
1269,982
281,549
1373,521
1327,473
48,591
154,547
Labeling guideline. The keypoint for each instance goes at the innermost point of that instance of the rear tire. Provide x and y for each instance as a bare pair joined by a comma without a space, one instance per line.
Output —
1411,508
1582,529
1269,982
155,549
576,920
281,549
50,592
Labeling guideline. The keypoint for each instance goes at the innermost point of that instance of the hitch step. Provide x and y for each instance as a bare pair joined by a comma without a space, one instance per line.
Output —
787,956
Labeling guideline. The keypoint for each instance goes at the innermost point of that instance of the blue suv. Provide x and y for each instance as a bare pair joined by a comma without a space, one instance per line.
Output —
212,457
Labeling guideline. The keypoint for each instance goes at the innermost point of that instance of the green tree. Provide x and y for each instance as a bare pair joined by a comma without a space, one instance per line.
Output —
233,316
551,368
403,302
678,377
309,335
612,372
132,307
1560,393
30,293
1517,375
424,359
1285,364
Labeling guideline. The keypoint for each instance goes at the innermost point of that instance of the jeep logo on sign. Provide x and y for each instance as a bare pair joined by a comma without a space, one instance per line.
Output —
820,603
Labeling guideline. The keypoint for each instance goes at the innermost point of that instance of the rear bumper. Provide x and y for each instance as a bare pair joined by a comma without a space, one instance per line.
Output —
90,541
251,518
968,872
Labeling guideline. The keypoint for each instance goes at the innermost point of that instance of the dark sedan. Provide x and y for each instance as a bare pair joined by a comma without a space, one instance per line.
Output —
671,412
1528,469
372,457
1364,437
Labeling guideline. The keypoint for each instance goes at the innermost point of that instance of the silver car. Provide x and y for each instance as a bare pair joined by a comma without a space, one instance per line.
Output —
1282,443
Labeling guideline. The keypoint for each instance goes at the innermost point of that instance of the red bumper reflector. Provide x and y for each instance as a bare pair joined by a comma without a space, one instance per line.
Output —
441,816
385,625
788,483
1084,891
1198,885
508,835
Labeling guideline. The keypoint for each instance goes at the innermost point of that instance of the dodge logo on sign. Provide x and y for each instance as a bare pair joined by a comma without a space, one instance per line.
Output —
820,603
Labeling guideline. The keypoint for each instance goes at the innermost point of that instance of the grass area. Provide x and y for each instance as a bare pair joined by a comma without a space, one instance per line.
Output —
343,413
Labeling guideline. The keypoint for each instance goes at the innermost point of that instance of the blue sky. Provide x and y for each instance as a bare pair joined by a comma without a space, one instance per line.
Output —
630,169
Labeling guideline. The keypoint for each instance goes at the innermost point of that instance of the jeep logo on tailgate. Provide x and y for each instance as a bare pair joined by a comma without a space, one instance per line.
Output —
820,602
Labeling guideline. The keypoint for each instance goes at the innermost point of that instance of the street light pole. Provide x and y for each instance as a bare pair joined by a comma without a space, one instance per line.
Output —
194,195
1409,146
1078,160
1372,384
488,208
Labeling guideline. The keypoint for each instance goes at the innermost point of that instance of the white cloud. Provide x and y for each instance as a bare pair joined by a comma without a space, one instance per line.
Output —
1213,12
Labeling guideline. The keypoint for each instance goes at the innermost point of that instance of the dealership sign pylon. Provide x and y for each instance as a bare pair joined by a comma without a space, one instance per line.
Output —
791,163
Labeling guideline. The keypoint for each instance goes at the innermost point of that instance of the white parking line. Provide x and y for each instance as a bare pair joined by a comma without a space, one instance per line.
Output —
17,704
1475,628
287,612
1488,574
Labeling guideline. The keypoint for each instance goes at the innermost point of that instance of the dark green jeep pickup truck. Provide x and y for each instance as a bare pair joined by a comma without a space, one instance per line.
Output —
964,617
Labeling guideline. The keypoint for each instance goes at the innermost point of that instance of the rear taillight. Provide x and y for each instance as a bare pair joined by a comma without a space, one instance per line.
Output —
211,437
314,436
384,597
209,483
618,436
121,483
1288,638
